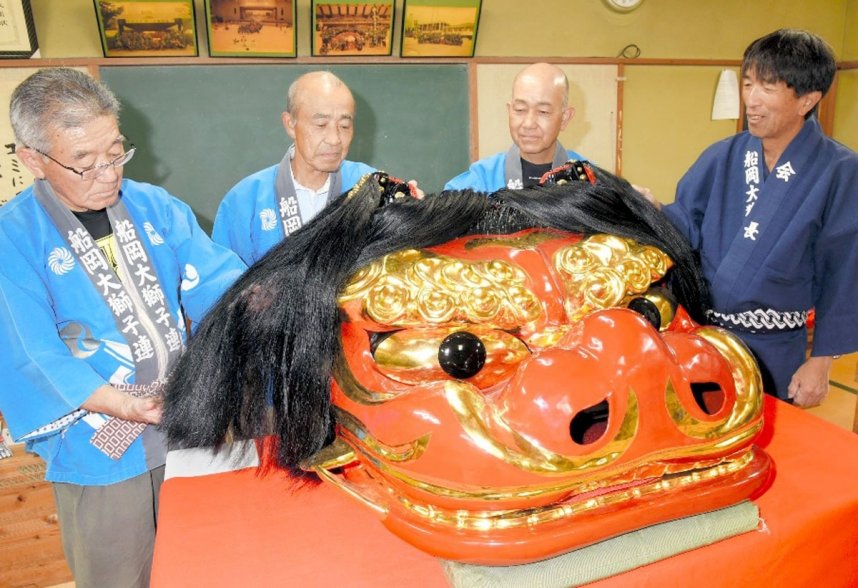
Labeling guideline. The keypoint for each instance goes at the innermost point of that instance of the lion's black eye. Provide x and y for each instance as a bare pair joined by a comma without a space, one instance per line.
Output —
646,308
481,356
657,305
462,355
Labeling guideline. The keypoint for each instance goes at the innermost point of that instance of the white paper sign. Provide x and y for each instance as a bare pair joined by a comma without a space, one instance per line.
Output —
726,103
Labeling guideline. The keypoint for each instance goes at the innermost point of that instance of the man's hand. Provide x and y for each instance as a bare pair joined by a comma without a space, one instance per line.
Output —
415,191
142,410
647,193
809,384
108,400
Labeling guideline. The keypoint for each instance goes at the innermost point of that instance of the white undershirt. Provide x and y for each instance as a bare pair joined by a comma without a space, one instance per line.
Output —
310,202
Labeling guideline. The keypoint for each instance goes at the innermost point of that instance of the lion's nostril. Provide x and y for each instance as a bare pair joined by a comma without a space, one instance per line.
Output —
589,424
708,395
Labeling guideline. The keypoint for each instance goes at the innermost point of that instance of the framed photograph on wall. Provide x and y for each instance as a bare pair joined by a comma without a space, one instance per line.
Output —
147,28
250,28
440,28
352,27
17,33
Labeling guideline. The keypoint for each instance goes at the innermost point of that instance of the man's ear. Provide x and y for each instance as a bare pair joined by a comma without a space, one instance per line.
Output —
808,101
288,124
568,114
32,160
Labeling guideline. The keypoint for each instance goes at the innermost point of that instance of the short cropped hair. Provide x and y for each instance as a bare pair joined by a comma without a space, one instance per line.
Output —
57,98
801,60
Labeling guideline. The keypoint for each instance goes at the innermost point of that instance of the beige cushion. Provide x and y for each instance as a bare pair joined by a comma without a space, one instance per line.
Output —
611,556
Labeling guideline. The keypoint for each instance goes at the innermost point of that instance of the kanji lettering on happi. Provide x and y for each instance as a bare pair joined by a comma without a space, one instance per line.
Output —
120,302
288,206
291,224
93,261
143,272
124,231
107,283
785,171
163,316
173,340
143,348
134,251
752,198
152,295
752,174
131,323
80,240
752,178
751,231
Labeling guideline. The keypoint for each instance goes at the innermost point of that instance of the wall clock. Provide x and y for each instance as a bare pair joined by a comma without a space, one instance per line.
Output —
623,5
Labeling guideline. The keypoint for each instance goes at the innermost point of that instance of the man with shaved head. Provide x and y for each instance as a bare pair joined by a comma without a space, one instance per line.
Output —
269,205
538,110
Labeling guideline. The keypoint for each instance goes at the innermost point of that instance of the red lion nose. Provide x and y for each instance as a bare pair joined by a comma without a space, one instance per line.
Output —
565,395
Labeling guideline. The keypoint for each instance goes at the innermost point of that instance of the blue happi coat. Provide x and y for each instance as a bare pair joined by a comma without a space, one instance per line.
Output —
785,240
59,335
247,218
490,173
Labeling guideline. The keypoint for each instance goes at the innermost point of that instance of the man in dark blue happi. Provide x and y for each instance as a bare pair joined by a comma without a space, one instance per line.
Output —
773,212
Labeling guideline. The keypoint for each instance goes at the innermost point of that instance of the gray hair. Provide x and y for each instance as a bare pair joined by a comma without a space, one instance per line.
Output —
57,98
293,95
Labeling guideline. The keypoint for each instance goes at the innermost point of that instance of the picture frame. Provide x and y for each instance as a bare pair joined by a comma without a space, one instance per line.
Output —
439,28
17,31
352,27
147,28
249,28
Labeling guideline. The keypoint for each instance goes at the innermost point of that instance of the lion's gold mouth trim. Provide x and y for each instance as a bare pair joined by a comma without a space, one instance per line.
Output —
382,456
531,517
381,500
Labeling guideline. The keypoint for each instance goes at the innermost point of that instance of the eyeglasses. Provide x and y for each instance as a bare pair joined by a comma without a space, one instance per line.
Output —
95,171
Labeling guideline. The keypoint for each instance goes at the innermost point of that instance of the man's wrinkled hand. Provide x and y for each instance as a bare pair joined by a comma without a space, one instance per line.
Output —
809,384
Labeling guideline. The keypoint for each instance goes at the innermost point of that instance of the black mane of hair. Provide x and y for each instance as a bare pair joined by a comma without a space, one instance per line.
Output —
260,363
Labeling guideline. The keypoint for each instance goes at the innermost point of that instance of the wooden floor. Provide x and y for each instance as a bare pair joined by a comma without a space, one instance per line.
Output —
30,551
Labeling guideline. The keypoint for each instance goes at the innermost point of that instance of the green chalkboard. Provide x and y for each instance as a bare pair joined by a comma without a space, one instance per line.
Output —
199,129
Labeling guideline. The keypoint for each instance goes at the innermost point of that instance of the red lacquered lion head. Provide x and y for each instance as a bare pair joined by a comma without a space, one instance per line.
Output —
505,379
507,398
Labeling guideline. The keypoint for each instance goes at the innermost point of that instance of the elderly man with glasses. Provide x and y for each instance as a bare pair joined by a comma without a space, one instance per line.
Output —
98,277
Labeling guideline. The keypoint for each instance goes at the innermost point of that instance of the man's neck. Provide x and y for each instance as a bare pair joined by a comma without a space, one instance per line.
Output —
308,177
773,148
539,159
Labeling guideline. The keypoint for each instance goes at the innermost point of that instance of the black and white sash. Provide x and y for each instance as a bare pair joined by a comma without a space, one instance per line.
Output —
287,199
512,165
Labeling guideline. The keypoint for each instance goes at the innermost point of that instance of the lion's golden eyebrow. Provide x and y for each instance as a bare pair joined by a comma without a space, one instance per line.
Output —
604,271
415,287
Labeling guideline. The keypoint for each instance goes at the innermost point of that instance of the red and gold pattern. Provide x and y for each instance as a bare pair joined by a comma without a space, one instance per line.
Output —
585,420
